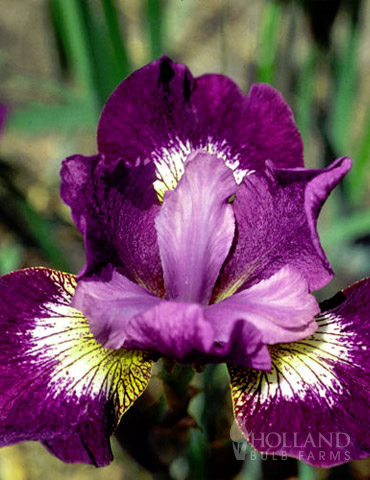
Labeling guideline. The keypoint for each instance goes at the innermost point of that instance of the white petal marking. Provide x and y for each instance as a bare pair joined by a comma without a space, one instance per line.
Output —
306,367
170,162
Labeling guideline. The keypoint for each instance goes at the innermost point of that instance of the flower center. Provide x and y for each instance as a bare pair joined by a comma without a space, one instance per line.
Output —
170,163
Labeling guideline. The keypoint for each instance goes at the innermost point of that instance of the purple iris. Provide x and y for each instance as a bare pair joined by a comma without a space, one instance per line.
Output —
199,222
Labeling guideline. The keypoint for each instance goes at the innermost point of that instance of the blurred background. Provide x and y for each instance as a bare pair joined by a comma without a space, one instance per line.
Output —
60,60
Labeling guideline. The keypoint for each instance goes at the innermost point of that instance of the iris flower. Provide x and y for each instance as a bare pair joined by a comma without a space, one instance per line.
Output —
199,223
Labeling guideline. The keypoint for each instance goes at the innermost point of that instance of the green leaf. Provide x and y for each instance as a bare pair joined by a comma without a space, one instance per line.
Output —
306,472
69,20
10,258
42,231
29,224
113,25
197,454
345,229
268,42
252,468
71,114
344,96
306,82
358,177
105,70
154,16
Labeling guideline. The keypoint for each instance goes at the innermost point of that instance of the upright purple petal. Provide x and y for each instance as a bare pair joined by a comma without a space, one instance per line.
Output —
276,213
161,111
154,122
147,111
195,228
314,404
114,207
79,191
255,128
58,385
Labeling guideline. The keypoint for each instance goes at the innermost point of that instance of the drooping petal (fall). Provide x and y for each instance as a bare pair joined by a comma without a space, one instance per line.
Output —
195,229
314,403
276,213
59,386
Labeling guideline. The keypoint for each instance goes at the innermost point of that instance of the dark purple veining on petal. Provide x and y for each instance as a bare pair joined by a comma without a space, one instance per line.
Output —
276,213
75,449
161,106
255,128
58,385
27,412
80,183
148,110
162,115
315,406
114,207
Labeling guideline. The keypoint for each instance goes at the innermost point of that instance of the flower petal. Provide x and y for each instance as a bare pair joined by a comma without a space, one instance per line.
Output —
57,384
185,333
161,111
114,207
195,228
79,191
155,120
255,128
276,213
148,110
109,301
315,403
280,308
123,314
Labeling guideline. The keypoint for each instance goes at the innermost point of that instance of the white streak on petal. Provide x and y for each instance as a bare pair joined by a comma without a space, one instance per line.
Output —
170,162
306,367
